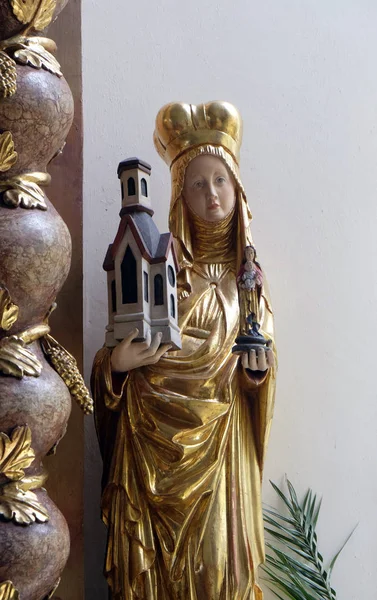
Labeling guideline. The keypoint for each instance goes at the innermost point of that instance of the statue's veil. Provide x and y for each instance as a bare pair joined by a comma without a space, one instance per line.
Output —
179,217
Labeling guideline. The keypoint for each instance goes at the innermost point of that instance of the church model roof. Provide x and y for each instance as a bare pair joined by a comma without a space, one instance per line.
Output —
133,163
153,246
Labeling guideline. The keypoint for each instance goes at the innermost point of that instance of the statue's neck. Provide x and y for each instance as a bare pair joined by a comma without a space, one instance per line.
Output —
214,241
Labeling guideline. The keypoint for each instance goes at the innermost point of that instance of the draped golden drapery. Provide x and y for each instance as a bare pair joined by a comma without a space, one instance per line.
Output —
183,441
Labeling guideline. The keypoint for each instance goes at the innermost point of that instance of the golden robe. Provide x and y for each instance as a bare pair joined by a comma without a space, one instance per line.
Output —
183,460
183,441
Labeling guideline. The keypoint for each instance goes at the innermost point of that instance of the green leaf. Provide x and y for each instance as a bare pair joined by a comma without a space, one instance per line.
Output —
307,580
335,558
275,514
311,510
296,568
293,495
281,584
306,500
276,594
284,538
283,497
316,514
294,591
306,570
293,533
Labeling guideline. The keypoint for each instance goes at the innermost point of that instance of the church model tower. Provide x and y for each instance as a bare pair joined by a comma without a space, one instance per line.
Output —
141,266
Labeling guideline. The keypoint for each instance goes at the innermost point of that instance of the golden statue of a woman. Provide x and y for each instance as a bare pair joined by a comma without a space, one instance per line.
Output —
183,434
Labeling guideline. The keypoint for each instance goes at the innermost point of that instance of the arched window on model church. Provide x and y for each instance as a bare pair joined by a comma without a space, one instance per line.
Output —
144,188
131,189
129,277
113,297
171,276
158,290
172,306
146,286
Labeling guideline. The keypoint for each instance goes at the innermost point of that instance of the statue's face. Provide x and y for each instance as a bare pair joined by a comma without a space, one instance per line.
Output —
209,188
249,253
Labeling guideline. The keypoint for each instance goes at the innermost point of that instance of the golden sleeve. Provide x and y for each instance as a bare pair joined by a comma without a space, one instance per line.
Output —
263,396
107,404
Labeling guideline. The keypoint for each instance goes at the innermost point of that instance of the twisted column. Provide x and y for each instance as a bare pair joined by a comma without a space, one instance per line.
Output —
37,375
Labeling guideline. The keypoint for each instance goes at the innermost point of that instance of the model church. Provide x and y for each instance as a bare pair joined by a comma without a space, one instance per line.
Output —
141,265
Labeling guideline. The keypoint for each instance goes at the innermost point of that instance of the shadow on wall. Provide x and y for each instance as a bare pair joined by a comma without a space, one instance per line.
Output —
94,530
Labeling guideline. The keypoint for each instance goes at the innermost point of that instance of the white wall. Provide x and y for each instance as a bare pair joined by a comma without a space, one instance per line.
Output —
303,74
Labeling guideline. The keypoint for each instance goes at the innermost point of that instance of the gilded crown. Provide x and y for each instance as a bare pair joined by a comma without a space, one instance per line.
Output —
180,127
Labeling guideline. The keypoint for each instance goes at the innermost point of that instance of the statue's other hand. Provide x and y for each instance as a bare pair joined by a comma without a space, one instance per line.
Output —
258,361
128,355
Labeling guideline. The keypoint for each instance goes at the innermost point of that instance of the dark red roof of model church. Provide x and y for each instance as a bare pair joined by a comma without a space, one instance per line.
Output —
153,246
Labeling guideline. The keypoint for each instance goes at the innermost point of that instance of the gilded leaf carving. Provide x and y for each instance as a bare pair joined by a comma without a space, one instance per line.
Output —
17,502
8,591
38,57
16,453
17,360
24,10
34,12
8,155
33,51
22,193
21,507
45,14
8,310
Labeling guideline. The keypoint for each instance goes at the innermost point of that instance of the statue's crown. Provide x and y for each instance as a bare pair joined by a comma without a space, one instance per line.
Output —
180,127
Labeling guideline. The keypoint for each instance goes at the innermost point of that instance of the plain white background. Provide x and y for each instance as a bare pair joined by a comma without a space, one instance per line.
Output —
303,74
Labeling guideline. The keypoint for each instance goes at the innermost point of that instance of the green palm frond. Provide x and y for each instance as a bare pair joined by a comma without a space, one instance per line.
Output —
295,567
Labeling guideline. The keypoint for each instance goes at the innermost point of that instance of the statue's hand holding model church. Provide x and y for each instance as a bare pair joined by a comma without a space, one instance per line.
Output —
128,355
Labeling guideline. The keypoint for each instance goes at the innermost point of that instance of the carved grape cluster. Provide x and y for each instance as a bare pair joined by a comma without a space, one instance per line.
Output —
65,365
8,76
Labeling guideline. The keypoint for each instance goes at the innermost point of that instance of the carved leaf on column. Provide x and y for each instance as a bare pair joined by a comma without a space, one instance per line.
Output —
8,310
16,504
24,10
16,453
21,507
8,155
34,12
45,14
16,359
38,57
8,76
23,191
36,52
8,591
